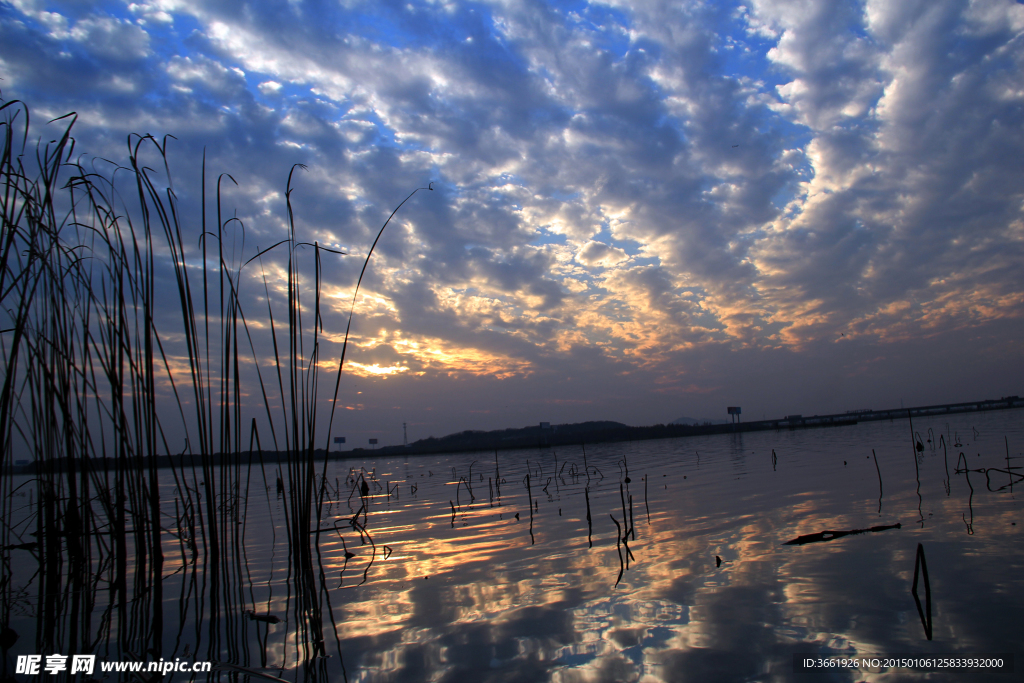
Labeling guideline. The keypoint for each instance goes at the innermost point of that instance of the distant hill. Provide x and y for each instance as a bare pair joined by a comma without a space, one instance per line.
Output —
519,437
547,436
698,421
533,436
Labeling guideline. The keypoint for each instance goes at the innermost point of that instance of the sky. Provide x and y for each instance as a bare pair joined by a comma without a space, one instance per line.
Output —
639,210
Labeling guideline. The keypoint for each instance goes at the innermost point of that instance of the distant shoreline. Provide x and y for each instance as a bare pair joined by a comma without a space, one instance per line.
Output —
556,435
605,432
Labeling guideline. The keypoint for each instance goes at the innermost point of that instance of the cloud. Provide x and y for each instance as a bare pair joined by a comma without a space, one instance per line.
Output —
270,87
909,190
598,254
624,186
114,39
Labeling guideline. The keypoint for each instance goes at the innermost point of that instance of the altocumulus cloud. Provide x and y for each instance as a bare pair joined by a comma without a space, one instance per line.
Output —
599,254
793,204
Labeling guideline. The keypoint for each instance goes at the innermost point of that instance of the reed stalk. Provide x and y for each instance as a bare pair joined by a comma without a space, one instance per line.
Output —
88,389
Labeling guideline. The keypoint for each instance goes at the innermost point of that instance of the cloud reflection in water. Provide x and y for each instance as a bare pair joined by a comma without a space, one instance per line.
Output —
495,608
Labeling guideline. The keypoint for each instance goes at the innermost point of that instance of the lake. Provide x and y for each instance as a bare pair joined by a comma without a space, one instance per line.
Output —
484,567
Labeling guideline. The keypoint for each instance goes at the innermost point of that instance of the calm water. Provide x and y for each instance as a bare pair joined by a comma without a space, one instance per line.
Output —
460,589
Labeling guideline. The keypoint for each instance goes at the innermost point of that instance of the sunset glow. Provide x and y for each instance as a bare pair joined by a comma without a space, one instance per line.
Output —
745,199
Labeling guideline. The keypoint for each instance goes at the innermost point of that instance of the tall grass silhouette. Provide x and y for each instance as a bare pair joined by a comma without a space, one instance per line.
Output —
90,381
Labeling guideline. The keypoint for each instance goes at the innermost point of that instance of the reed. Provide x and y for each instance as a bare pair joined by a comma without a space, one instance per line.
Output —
970,498
88,388
945,462
618,548
918,447
1009,470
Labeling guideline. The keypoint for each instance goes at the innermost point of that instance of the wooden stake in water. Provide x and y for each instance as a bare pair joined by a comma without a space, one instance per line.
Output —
921,566
590,526
645,500
879,481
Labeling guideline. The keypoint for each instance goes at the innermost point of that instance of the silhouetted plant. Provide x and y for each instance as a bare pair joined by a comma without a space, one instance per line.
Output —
88,382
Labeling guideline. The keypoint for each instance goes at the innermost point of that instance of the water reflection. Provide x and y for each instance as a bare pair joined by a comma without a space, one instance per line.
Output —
748,549
675,615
